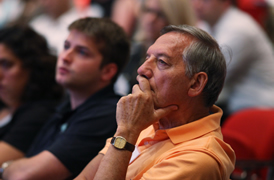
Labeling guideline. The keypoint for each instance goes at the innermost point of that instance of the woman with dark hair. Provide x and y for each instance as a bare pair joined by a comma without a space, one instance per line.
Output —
28,91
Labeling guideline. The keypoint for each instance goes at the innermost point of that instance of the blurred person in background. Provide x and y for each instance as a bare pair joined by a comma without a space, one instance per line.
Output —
9,11
248,52
28,91
31,10
153,16
262,11
94,53
125,14
18,11
106,5
56,17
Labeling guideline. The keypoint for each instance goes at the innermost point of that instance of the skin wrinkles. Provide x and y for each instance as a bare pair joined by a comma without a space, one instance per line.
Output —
165,78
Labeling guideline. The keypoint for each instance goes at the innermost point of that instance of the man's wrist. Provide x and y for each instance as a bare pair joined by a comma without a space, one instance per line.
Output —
121,143
130,135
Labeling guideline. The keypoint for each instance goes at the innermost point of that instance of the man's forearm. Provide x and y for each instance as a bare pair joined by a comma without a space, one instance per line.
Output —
42,166
9,152
90,170
14,170
114,164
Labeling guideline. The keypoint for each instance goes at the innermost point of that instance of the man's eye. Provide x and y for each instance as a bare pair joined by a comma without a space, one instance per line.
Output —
147,57
66,46
162,62
82,52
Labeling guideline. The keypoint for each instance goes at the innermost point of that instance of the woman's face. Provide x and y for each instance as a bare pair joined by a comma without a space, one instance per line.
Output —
13,78
153,19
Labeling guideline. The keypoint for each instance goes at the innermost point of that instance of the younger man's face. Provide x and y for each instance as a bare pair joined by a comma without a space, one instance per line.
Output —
78,65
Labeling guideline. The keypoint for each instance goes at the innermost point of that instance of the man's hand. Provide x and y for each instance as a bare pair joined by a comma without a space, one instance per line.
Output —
136,111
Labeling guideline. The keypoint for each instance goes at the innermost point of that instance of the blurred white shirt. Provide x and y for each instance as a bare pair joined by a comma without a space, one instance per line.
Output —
250,61
56,31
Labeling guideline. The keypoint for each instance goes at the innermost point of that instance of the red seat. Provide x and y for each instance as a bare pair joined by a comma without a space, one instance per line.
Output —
250,133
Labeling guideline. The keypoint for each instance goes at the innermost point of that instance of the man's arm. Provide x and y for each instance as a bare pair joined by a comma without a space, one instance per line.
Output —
114,164
135,112
42,166
91,169
8,152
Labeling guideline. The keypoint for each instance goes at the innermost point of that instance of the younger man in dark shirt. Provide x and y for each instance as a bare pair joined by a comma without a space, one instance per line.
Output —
94,53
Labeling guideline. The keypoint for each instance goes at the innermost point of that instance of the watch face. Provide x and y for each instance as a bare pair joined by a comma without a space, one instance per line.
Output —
120,142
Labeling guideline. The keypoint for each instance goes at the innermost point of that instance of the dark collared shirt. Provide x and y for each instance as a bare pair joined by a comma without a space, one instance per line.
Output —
76,136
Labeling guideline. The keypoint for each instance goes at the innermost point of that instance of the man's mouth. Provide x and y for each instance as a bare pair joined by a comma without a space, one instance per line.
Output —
63,70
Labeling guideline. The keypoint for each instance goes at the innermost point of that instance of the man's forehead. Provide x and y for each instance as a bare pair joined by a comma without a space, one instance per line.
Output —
169,42
80,39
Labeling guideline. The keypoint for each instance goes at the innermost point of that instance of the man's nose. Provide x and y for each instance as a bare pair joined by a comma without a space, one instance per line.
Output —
145,69
66,55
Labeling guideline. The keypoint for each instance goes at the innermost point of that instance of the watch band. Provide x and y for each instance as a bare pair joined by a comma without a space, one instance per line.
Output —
120,142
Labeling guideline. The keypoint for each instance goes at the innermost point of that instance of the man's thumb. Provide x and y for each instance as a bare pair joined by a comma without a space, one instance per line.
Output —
162,112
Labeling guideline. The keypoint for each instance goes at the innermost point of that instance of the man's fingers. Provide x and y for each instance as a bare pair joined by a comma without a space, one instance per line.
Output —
143,83
135,88
162,112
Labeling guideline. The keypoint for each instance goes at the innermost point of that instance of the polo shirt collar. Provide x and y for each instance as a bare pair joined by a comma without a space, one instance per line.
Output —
196,128
185,132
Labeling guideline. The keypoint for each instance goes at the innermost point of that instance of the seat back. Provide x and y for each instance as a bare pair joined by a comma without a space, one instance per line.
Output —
250,133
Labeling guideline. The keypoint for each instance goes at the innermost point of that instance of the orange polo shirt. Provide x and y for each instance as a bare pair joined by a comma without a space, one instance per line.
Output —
194,151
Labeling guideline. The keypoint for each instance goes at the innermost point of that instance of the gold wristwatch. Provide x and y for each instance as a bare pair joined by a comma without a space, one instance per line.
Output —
121,143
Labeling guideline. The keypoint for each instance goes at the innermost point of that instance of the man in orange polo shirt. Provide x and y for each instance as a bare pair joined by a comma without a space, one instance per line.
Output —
170,117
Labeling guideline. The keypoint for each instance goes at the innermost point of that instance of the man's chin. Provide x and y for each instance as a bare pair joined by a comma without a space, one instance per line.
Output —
62,82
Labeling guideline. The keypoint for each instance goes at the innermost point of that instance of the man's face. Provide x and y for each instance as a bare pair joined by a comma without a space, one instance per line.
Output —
165,70
79,63
207,10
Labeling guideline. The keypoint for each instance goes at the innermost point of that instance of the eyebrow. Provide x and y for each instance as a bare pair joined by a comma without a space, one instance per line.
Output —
82,47
163,55
78,46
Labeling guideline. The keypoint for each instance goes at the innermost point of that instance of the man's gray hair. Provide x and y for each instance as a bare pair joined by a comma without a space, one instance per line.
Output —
203,54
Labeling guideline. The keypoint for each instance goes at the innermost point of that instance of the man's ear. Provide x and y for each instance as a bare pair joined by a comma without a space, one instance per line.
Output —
109,71
197,84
